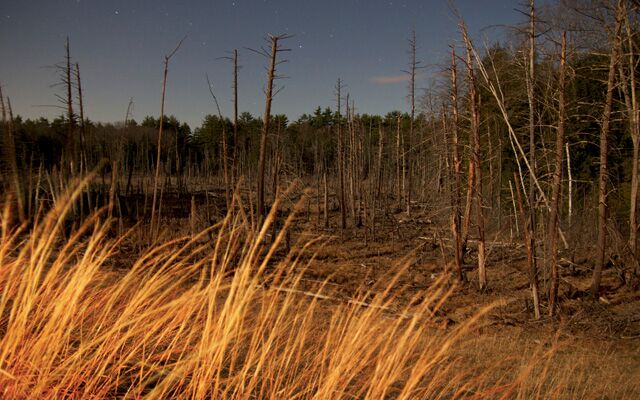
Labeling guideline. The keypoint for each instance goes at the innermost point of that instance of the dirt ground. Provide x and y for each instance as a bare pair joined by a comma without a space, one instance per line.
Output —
347,263
419,249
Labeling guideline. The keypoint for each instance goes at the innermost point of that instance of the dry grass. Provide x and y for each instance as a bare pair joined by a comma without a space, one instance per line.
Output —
197,317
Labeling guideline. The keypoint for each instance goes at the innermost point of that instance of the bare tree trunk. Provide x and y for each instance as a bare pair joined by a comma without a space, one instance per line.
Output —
552,225
466,219
528,242
398,164
604,146
352,164
476,157
83,130
343,211
380,167
71,121
225,153
532,137
234,167
413,65
131,162
631,103
455,191
515,211
570,183
325,200
377,193
531,79
266,119
167,58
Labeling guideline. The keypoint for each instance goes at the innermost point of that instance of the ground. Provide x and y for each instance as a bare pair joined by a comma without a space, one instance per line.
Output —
598,339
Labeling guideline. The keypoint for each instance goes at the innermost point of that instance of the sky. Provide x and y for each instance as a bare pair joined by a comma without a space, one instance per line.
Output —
120,47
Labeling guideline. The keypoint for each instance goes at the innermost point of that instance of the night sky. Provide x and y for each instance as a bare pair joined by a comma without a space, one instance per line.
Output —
120,47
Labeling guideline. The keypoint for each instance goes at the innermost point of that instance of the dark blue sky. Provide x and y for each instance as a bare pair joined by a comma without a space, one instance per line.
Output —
120,47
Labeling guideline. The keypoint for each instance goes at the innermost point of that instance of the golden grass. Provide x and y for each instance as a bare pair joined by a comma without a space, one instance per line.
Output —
196,318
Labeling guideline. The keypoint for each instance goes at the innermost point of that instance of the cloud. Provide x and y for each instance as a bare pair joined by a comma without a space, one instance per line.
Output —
387,80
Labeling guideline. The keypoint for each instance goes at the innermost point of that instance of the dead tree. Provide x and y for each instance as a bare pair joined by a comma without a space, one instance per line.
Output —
234,87
67,81
225,153
167,58
272,55
474,139
604,147
527,239
414,65
399,158
130,161
530,83
83,128
234,151
552,225
456,164
629,87
343,211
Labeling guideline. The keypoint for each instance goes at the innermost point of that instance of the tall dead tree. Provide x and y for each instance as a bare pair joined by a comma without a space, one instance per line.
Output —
343,210
167,58
531,238
399,168
414,65
67,81
234,87
234,151
604,147
83,128
552,225
225,152
351,162
629,88
456,165
474,139
272,55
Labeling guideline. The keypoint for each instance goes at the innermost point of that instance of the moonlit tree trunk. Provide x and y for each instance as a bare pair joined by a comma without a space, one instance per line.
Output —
629,87
70,118
413,66
604,147
343,211
234,156
167,58
531,240
265,122
83,130
552,225
476,156
456,164
398,163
